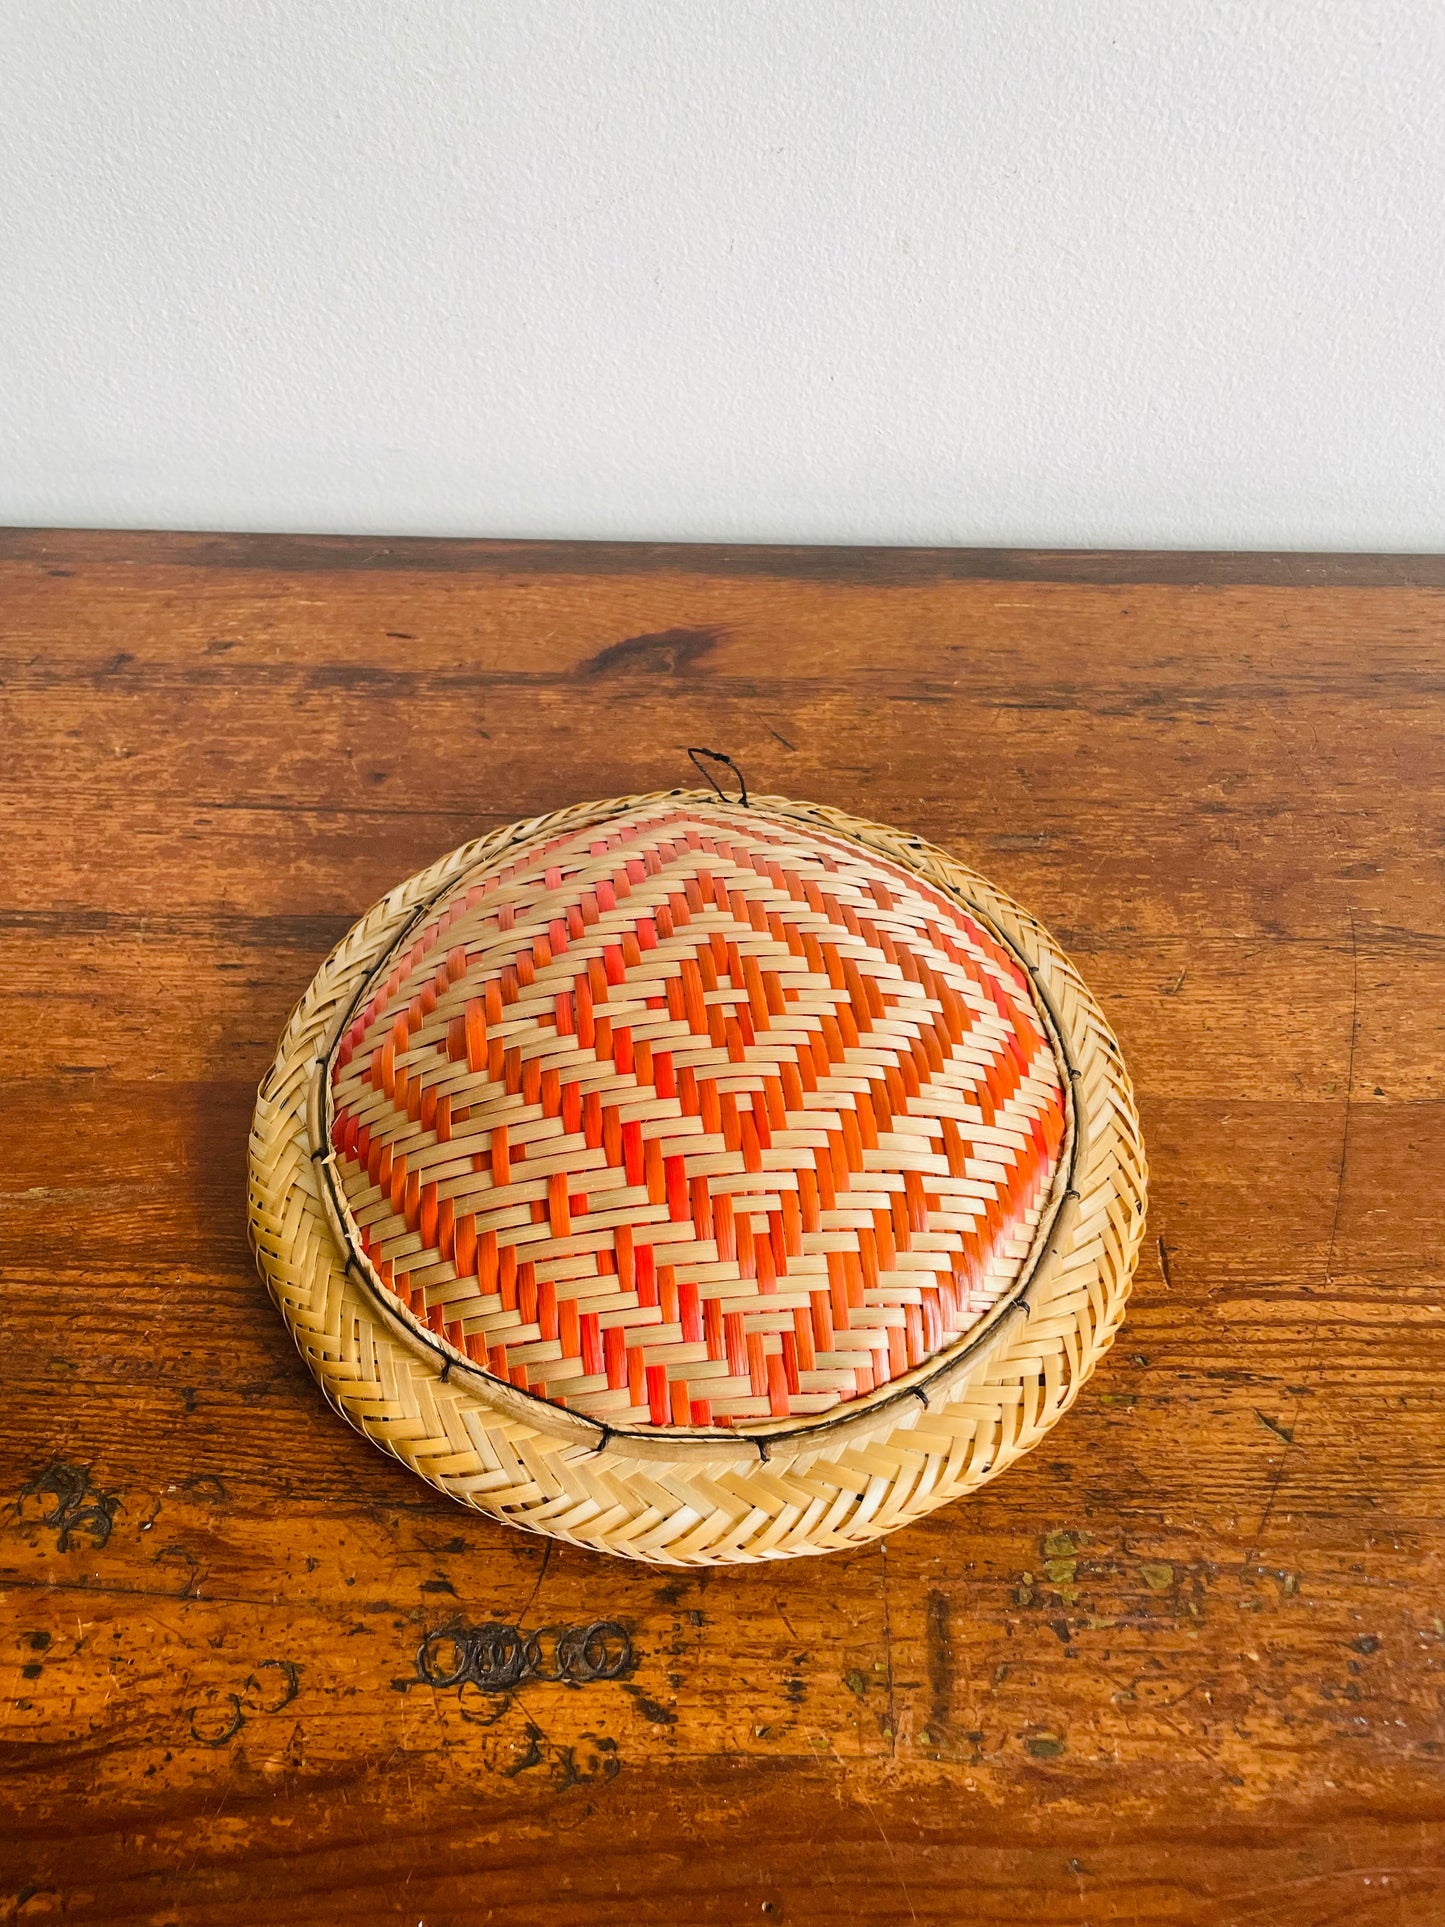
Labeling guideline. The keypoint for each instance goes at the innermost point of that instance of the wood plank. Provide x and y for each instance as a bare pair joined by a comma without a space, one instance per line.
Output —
1183,1664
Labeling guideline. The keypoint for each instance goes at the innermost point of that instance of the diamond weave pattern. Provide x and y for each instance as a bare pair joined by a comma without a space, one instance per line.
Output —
697,1119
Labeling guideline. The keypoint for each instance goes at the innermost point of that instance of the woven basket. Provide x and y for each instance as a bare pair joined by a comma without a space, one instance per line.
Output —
698,1182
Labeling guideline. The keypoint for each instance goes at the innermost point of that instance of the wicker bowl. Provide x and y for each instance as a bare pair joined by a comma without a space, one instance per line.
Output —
696,1181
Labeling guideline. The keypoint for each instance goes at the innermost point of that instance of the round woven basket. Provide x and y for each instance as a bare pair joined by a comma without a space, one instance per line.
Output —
697,1181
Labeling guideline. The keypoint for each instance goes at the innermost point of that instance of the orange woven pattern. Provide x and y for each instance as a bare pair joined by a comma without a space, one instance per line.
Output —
695,1120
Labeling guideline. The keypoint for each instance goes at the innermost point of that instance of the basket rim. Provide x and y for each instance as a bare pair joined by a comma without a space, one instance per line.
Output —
932,1376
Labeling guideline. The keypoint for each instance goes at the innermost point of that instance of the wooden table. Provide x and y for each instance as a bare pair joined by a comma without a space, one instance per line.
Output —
1184,1664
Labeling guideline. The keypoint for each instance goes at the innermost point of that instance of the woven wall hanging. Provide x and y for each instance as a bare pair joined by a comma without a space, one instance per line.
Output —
699,1181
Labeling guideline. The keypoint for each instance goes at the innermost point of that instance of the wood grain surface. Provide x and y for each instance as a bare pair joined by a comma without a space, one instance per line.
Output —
1182,1665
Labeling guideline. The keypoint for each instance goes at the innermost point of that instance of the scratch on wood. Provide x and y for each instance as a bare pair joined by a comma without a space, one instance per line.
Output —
892,1733
1287,1433
940,1664
537,1583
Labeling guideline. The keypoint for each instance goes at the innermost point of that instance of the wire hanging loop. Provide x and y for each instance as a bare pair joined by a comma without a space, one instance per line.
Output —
716,756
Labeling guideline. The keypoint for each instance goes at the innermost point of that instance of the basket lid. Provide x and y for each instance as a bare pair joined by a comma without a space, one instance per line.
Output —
695,1116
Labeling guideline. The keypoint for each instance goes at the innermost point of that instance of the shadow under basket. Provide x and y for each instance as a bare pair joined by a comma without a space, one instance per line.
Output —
697,1181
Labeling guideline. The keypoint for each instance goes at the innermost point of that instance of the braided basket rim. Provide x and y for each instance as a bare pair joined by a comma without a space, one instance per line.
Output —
485,1442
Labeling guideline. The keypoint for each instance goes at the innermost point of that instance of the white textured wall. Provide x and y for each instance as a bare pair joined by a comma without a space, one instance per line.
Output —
979,271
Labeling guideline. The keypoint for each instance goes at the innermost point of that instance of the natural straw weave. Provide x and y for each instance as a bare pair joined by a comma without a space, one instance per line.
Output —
699,1182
